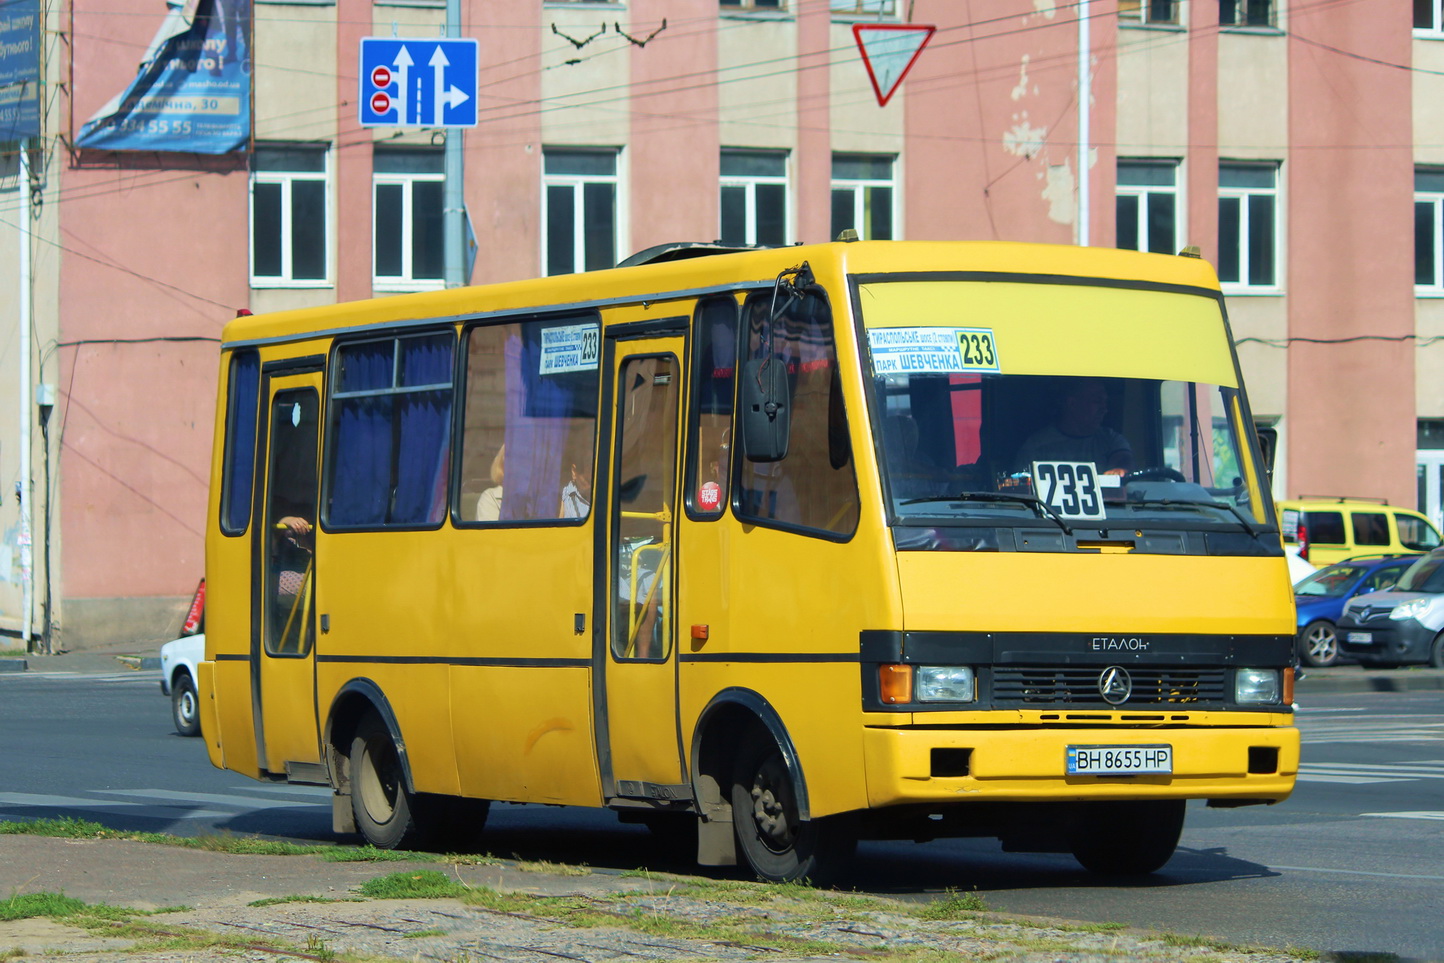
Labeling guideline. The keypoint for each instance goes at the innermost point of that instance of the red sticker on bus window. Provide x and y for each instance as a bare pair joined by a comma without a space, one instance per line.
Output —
709,497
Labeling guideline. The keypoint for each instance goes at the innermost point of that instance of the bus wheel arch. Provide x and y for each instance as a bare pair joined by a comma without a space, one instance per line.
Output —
734,730
358,701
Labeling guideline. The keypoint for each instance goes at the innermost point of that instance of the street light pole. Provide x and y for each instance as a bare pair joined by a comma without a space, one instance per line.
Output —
452,205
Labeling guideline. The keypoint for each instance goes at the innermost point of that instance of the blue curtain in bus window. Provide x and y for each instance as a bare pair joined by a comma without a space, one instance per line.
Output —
425,420
361,449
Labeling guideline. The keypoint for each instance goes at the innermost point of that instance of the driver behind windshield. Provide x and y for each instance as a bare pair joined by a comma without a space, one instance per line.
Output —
1078,433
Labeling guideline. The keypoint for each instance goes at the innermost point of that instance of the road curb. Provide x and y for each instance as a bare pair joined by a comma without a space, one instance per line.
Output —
13,665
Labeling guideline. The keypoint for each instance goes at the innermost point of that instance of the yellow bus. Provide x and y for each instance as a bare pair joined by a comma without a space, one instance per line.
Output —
794,547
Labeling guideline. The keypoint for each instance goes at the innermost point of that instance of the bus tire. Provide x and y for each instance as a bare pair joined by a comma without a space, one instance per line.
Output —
778,845
383,808
1126,838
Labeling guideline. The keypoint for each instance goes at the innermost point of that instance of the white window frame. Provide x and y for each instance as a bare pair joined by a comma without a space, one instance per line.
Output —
1144,192
1140,12
859,186
752,6
864,9
1434,198
406,281
1240,9
750,183
1242,285
1434,31
286,179
578,183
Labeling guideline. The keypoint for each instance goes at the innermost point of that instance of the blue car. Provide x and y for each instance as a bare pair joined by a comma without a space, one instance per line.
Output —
1320,600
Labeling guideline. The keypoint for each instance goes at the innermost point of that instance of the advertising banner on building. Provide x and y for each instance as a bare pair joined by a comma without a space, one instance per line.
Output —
193,90
19,69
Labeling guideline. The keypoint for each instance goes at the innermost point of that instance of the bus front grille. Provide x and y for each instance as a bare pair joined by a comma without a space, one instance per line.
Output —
1016,685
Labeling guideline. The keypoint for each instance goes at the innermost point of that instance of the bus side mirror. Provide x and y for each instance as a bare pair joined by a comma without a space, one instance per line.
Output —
766,410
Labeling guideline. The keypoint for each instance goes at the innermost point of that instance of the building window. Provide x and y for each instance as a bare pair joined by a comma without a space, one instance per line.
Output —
1149,11
1429,232
579,210
407,226
1246,13
290,240
753,5
1248,212
873,8
1429,16
1146,205
754,197
862,196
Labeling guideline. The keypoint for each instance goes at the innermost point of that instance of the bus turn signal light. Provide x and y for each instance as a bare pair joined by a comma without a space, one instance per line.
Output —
895,683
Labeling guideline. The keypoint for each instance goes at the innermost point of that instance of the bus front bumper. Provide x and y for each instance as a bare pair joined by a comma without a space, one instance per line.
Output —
929,766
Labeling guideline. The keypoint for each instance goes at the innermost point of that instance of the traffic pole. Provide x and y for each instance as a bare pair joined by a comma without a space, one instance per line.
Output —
453,207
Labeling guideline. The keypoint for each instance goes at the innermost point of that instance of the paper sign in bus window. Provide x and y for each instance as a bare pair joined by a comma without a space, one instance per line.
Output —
897,351
570,347
1069,488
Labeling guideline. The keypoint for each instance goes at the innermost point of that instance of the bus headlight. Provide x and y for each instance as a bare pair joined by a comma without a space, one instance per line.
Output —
944,683
1256,686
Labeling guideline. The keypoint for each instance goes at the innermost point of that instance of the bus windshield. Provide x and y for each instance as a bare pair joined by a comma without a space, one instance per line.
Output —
1075,407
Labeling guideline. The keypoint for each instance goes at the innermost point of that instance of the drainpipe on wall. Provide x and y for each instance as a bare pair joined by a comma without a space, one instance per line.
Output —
22,487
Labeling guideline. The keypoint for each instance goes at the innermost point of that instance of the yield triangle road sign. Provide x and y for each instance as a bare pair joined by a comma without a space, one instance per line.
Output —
889,51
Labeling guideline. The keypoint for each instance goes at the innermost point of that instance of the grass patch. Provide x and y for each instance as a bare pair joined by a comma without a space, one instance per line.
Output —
423,934
556,869
952,906
1179,941
298,898
422,884
14,953
24,906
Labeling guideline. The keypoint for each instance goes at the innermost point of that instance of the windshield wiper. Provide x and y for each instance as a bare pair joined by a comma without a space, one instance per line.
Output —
1243,520
1037,504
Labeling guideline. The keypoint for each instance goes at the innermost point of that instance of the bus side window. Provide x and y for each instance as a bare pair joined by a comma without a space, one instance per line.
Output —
815,485
531,392
389,446
242,413
714,364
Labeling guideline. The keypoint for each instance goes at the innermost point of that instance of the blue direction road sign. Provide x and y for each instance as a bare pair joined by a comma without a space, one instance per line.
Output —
418,82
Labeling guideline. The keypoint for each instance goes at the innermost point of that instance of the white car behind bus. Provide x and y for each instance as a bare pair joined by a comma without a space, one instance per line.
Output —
178,680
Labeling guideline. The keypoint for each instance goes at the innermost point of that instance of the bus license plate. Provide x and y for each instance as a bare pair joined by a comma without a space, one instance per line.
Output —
1119,760
1359,638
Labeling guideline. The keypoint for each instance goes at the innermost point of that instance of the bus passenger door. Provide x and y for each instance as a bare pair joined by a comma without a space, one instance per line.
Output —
283,630
638,718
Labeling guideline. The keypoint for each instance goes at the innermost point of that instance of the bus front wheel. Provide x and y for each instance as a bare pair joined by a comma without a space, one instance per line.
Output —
1126,838
382,806
777,844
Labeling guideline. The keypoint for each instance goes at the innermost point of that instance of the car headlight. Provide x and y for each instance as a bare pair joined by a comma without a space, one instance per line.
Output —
1256,686
944,683
1411,609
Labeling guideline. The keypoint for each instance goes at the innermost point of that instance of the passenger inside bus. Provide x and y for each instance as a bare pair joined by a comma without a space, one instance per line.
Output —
1077,432
488,505
577,495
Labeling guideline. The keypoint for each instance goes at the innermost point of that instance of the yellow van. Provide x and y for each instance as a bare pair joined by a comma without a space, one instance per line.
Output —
1328,530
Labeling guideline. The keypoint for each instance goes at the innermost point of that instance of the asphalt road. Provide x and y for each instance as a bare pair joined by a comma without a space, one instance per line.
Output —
1354,861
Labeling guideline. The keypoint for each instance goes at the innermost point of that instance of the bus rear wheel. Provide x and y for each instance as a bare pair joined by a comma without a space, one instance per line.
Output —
1126,838
777,844
383,808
